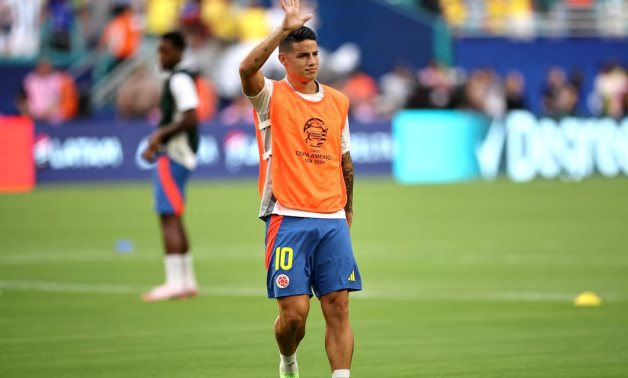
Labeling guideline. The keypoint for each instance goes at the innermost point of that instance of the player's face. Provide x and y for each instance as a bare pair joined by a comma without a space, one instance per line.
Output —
302,60
169,55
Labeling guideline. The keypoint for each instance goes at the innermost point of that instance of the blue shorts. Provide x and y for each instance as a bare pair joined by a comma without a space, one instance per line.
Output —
169,181
305,254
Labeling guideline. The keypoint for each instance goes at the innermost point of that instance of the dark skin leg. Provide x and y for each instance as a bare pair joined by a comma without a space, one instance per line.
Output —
174,236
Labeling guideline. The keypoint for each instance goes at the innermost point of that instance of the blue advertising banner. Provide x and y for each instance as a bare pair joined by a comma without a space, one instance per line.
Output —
88,151
429,146
451,146
437,146
573,148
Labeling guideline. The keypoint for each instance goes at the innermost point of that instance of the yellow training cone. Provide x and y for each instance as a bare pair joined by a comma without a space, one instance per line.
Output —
588,298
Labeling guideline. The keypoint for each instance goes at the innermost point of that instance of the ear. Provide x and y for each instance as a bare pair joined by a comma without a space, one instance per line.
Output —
282,59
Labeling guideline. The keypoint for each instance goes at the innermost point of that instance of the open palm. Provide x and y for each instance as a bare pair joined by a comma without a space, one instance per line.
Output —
292,19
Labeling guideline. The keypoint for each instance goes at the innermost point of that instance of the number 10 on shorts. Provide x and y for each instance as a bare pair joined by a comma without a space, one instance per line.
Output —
283,258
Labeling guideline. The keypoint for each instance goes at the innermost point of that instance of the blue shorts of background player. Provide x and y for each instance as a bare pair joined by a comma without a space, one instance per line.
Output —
169,181
305,254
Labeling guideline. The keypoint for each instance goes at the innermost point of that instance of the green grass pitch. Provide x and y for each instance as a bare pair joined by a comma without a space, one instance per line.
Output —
467,280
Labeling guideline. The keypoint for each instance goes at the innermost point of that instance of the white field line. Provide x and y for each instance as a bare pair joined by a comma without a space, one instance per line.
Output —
109,255
252,251
69,337
89,288
251,292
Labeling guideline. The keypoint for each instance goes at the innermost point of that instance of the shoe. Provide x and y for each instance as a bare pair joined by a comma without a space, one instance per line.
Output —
289,375
294,374
191,292
163,293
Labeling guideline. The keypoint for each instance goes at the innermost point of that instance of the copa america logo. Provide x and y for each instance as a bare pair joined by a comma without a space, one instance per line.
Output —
315,132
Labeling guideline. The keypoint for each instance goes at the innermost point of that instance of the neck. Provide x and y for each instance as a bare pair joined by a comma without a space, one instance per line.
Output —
306,87
172,67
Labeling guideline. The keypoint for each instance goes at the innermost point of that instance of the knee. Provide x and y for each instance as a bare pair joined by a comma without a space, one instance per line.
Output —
292,320
336,308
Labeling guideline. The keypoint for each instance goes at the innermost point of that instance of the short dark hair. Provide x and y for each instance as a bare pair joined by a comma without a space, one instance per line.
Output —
176,38
118,9
299,35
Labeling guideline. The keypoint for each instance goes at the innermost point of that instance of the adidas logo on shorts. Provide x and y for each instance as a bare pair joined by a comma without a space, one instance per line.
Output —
352,276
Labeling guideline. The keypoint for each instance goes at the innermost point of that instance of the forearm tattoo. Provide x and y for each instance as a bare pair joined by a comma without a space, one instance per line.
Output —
347,172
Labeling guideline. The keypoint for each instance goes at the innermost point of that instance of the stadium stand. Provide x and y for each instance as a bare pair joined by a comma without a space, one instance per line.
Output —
453,51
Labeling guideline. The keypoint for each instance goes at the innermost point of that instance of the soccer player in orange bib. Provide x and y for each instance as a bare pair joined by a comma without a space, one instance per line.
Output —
306,189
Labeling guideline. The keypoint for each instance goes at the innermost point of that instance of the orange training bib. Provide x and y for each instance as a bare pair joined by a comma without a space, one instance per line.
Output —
306,149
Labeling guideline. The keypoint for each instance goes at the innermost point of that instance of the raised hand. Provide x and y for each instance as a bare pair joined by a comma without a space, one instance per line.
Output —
292,19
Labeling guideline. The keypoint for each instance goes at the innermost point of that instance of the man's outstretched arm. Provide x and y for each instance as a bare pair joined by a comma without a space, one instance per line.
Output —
250,74
347,173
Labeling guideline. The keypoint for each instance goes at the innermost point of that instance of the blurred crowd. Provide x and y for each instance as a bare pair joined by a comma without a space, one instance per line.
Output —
114,32
527,18
221,32
561,95
440,87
